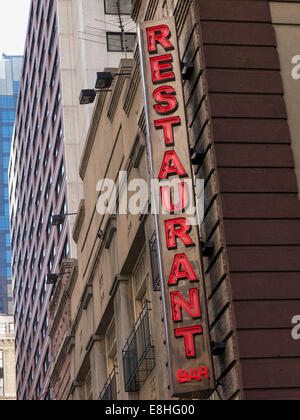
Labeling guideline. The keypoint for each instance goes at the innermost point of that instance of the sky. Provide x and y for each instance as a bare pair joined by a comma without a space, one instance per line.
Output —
13,25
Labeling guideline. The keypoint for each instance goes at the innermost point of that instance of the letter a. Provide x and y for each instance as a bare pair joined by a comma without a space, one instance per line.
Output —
181,270
171,166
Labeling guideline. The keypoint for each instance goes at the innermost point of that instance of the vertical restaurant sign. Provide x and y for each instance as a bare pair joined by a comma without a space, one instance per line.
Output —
180,261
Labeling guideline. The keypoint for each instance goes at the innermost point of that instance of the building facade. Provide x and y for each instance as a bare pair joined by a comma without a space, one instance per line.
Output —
7,359
240,101
10,73
42,175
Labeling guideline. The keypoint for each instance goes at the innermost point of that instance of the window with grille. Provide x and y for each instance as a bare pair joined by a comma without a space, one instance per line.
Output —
114,7
117,43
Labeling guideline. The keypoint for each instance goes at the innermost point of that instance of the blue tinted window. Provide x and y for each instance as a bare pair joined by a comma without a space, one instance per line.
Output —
7,116
5,147
7,101
16,87
7,131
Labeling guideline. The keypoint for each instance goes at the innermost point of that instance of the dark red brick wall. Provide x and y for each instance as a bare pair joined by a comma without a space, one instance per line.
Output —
254,215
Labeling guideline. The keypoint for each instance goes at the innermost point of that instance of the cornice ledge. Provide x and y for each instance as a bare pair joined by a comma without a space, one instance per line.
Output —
133,85
109,230
86,296
79,221
125,67
94,338
136,7
98,109
117,280
180,13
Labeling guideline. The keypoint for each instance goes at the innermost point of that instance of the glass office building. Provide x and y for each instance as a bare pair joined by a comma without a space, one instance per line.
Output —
10,73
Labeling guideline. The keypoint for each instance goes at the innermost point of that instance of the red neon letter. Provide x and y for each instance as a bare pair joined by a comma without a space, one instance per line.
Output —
182,376
177,228
188,334
167,124
181,270
171,166
159,35
183,200
179,302
203,371
166,99
192,375
161,68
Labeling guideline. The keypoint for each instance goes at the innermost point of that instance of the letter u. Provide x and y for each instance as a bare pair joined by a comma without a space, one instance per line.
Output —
183,200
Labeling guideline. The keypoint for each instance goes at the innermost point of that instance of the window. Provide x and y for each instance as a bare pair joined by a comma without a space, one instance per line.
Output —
28,320
1,375
140,282
51,259
40,227
45,328
59,180
28,351
43,292
31,231
58,141
29,205
42,59
30,378
34,292
45,120
46,156
114,7
54,71
35,323
111,346
39,388
48,189
37,165
116,43
23,372
41,260
37,355
46,362
42,97
53,33
65,251
56,105
49,224
41,29
49,11
88,387
38,197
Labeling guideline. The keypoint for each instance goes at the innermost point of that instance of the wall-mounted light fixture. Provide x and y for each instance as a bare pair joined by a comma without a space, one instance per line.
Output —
53,278
103,82
207,248
59,219
87,96
187,70
218,348
198,157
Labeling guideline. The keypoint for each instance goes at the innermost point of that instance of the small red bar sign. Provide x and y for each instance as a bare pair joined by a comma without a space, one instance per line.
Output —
184,300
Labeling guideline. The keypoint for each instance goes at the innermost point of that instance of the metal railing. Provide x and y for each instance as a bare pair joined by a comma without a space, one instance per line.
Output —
138,353
109,391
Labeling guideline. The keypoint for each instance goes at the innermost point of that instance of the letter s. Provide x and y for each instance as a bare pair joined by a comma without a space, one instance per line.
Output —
165,97
296,329
296,69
